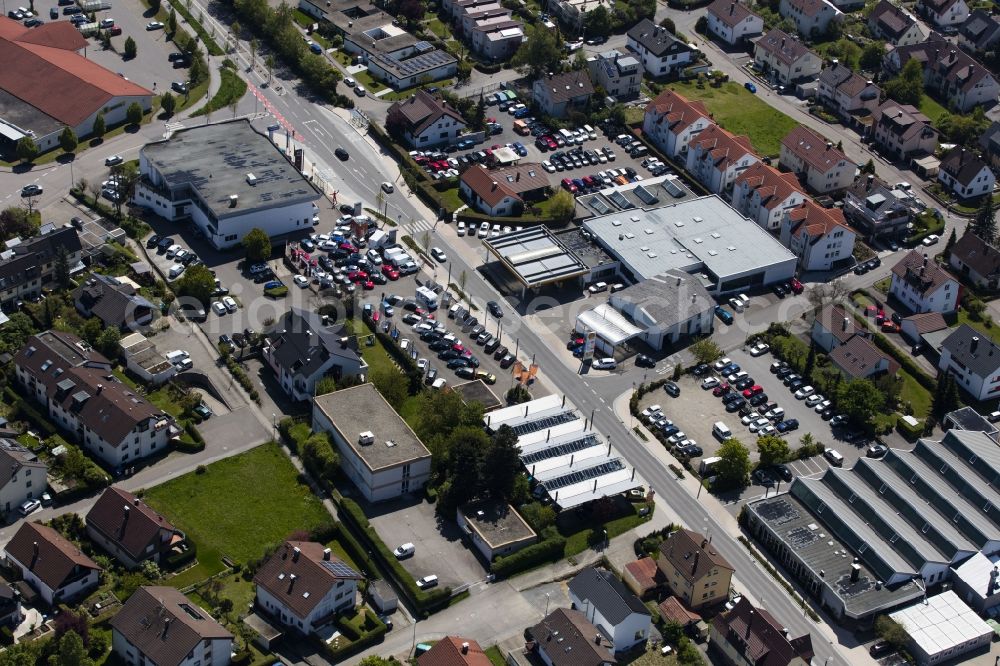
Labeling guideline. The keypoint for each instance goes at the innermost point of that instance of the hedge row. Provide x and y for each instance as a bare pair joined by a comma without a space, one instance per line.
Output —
194,442
910,432
425,602
175,562
22,410
550,550
357,642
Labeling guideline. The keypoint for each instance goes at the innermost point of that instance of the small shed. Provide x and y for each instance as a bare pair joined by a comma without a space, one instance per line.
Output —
383,597
265,633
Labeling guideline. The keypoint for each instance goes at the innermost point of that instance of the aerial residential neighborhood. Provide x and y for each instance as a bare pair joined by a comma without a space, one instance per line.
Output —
480,332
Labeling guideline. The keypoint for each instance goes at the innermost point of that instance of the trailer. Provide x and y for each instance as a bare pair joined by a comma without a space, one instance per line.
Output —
93,5
88,29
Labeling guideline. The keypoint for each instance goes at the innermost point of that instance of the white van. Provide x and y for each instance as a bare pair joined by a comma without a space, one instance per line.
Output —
461,228
427,297
707,465
591,134
722,431
567,136
176,270
176,355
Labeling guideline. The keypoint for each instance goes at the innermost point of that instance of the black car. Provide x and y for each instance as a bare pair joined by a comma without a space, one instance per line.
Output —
672,389
341,154
796,385
347,209
732,397
449,354
153,240
701,370
762,477
465,373
880,649
494,309
644,361
491,346
744,384
507,361
758,399
227,341
860,269
778,366
483,338
457,363
783,372
473,361
476,329
874,262
784,472
431,336
778,290
500,352
439,345
691,451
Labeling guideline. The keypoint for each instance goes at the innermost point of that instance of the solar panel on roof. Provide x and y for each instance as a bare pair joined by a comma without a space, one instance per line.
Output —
646,196
544,423
339,569
673,188
561,449
618,199
615,465
598,205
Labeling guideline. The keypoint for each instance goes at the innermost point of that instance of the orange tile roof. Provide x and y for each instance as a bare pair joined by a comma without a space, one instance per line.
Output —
678,111
813,149
40,60
448,652
490,187
724,148
814,220
771,185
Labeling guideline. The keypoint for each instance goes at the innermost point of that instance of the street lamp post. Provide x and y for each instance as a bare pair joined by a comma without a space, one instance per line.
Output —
547,597
274,424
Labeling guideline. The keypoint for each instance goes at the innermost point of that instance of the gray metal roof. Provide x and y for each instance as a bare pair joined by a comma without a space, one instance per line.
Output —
668,301
536,257
607,593
703,234
214,161
981,358
412,66
967,418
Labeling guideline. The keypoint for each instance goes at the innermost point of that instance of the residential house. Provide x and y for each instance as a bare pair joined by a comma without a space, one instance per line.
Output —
980,32
470,15
115,302
641,576
557,94
816,161
974,360
966,174
619,75
949,72
765,195
944,13
890,22
159,625
832,327
668,308
671,121
28,265
923,286
411,66
672,610
716,158
847,93
874,208
660,52
22,476
750,635
733,22
76,388
858,358
424,121
497,38
990,143
10,606
301,348
130,530
52,565
454,651
976,260
785,59
914,327
811,17
565,637
303,585
504,191
611,607
694,570
818,236
903,132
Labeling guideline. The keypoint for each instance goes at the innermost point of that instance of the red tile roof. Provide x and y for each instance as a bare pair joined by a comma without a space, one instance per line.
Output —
679,112
40,60
771,185
692,555
813,149
672,610
927,322
489,186
813,220
449,652
643,572
723,147
858,356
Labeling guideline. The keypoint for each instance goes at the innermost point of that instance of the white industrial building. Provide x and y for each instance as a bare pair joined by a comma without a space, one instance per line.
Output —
942,628
228,179
704,237
668,308
609,326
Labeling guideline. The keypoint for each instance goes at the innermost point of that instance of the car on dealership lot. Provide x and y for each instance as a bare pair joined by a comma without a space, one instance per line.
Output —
604,364
672,389
439,254
230,303
219,309
710,383
301,281
814,399
876,450
804,392
787,425
721,363
760,349
154,25
644,361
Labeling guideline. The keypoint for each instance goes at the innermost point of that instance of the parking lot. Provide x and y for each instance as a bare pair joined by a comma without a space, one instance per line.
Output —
437,541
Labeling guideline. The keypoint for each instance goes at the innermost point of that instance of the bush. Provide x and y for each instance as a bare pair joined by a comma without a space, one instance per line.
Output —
550,550
910,432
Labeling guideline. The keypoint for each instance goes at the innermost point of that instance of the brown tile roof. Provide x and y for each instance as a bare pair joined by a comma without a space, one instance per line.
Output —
54,560
673,610
723,148
524,177
691,554
678,112
490,188
815,221
962,165
832,318
889,18
568,639
771,185
924,275
858,356
643,572
128,522
567,85
813,149
449,652
810,7
730,12
977,254
164,625
40,60
903,120
301,579
786,48
928,322
421,110
946,60
757,636
14,458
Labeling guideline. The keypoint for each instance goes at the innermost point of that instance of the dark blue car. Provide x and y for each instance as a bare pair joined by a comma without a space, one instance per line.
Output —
725,315
751,87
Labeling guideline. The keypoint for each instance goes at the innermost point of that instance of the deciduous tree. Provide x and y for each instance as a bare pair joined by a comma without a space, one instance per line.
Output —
67,140
257,245
772,450
705,350
908,87
860,400
198,283
26,149
562,206
540,53
134,114
733,468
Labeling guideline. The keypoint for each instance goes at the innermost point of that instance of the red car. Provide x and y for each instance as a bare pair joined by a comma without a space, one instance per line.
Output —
114,31
552,143
368,285
797,287
356,276
753,390
458,347
890,327
421,159
721,389
390,272
568,185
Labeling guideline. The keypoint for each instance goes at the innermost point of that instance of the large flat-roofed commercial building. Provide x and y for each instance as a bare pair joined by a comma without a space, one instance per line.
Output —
536,258
228,179
378,450
703,237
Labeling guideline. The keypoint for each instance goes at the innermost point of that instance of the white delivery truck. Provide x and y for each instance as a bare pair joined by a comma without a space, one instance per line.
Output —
427,297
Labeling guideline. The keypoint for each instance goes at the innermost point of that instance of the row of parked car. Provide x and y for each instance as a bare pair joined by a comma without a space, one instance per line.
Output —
600,180
741,394
676,439
576,158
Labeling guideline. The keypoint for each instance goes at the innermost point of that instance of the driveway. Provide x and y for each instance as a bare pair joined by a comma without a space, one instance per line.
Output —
440,548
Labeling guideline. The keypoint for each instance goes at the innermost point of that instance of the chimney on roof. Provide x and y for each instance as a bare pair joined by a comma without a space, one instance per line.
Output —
782,42
291,582
517,177
694,565
326,554
597,639
166,628
855,571
972,69
829,145
847,321
974,344
465,647
732,8
34,552
100,387
991,588
295,554
925,260
494,186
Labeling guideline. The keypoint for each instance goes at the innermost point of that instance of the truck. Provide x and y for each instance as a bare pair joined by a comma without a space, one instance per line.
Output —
88,29
93,5
427,297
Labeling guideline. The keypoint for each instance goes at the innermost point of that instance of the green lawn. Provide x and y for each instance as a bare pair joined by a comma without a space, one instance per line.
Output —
370,84
915,394
438,28
237,508
495,656
992,331
930,108
579,541
231,90
405,93
741,112
451,199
